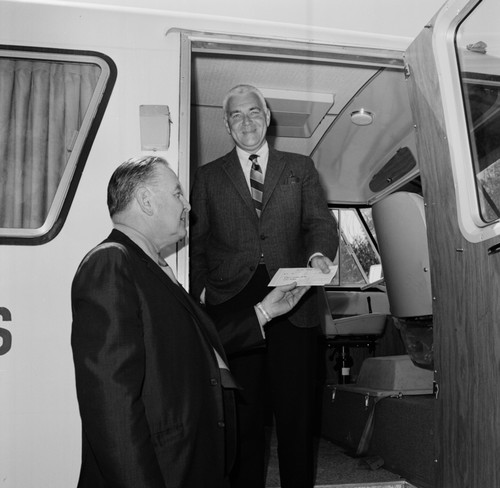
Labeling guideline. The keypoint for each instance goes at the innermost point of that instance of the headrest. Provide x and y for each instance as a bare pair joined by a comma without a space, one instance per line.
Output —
399,221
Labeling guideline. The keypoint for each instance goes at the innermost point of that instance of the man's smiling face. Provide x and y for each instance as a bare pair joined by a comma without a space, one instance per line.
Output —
247,121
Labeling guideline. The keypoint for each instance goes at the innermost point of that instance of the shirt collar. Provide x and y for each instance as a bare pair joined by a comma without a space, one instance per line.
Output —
140,239
263,153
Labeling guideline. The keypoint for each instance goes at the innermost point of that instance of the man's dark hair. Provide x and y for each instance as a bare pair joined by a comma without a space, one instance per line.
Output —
127,177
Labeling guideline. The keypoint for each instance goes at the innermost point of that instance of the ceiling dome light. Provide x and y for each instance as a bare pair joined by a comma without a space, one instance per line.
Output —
361,117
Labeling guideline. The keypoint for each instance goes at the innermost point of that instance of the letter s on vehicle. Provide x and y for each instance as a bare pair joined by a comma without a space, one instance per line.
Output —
5,335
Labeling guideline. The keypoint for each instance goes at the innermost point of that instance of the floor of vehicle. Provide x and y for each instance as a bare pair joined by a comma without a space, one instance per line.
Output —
333,466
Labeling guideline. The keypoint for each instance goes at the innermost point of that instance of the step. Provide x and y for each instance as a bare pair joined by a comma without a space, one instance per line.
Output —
402,435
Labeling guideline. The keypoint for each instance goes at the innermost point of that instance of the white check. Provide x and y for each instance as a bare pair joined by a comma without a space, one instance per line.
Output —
303,276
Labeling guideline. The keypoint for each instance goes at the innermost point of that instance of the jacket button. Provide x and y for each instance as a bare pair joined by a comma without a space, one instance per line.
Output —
263,237
213,382
221,424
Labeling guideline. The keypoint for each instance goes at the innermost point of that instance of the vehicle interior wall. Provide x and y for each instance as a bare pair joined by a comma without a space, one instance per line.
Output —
312,100
465,281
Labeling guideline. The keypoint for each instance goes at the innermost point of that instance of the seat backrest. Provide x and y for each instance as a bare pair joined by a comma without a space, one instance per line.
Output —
399,221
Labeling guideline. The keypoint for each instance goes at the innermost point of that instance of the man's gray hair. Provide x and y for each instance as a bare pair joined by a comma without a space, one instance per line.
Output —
127,177
242,90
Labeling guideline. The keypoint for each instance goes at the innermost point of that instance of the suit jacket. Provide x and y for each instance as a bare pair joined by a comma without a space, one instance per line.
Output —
148,382
227,237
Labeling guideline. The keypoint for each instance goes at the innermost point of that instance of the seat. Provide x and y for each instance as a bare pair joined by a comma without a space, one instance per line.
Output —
344,329
401,231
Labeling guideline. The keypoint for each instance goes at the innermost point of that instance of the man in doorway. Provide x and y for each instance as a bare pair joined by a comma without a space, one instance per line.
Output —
256,210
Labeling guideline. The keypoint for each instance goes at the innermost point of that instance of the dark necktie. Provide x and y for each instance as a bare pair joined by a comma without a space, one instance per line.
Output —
256,183
227,379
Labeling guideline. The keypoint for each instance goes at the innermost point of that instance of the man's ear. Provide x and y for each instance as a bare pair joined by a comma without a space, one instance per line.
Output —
268,117
143,197
226,123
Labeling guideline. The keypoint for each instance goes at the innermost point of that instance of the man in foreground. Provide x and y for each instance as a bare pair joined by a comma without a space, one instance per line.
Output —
154,391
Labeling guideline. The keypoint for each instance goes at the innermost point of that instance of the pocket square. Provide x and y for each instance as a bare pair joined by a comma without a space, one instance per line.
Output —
292,179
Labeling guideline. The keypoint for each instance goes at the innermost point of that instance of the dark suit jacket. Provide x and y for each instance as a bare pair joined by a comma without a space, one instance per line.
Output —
147,378
227,237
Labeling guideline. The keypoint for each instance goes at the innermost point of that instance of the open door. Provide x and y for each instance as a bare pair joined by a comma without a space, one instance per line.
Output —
453,79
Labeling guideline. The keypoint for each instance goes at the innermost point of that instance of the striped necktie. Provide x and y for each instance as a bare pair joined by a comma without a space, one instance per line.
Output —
256,183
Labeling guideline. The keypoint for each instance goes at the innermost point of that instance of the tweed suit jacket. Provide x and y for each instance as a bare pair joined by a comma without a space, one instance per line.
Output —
148,382
227,237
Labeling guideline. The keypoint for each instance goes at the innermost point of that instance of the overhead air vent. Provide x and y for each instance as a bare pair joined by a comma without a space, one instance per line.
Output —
398,166
296,114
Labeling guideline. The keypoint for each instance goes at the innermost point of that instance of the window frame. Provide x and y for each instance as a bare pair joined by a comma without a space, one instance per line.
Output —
472,225
70,178
357,210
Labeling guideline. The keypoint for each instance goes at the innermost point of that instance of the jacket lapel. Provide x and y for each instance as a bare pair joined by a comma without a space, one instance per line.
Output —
202,321
232,167
120,237
275,166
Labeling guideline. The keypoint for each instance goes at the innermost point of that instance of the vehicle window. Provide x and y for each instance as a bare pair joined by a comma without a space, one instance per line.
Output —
477,45
48,105
358,258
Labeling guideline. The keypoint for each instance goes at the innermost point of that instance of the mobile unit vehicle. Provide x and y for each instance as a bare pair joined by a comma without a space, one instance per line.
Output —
138,77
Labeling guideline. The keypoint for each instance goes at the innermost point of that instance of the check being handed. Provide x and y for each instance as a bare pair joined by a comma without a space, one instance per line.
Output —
303,276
